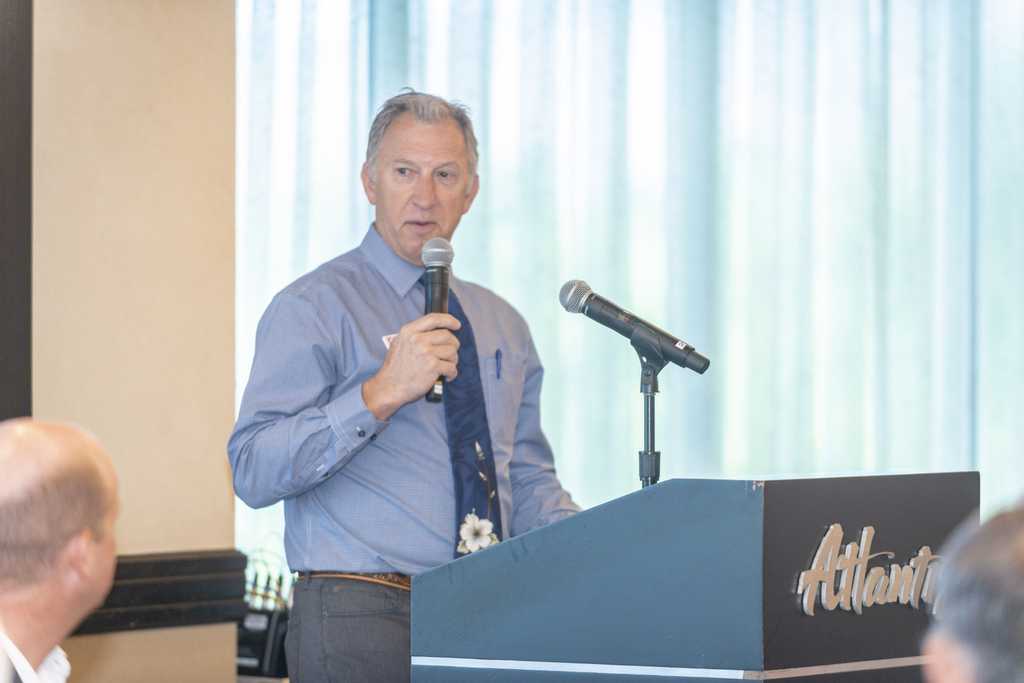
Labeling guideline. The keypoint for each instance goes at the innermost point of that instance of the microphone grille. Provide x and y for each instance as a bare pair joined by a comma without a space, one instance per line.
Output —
574,294
437,252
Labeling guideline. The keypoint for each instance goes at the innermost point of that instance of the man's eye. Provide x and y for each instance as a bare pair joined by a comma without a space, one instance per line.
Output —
403,171
445,175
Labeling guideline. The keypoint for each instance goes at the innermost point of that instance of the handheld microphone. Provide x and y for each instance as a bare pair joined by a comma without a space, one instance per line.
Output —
577,297
437,256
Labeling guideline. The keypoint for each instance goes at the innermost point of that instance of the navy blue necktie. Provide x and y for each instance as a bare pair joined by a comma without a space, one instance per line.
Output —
477,509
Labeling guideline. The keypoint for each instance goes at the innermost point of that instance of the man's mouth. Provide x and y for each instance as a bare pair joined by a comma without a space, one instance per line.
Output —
421,226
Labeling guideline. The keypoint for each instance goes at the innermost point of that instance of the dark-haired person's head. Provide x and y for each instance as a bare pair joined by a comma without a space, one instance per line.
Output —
978,633
58,506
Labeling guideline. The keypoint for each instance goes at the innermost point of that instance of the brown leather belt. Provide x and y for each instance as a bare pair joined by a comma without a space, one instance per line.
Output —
392,579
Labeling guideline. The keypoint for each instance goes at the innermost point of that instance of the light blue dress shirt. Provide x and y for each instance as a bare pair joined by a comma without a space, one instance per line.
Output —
367,496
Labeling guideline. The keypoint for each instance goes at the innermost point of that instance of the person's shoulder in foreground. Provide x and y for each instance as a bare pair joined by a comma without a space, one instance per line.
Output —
978,633
58,506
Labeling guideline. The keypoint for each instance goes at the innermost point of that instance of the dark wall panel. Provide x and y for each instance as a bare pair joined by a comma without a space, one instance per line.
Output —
172,589
15,208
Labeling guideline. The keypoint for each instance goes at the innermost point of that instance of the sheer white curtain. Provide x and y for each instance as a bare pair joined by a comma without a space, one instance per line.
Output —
821,197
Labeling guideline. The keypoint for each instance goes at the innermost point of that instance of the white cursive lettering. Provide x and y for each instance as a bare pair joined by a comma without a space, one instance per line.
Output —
860,585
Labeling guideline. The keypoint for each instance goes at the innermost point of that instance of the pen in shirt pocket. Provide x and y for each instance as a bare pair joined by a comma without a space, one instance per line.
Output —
497,363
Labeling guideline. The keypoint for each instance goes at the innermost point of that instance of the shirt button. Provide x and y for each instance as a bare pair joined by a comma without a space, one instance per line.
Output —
361,432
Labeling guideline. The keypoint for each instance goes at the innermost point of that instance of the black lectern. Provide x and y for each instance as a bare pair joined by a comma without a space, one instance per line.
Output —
826,579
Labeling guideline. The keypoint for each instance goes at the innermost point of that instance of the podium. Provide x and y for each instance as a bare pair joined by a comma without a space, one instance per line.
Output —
826,579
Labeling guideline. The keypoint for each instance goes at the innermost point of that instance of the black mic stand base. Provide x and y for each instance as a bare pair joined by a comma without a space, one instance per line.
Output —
650,468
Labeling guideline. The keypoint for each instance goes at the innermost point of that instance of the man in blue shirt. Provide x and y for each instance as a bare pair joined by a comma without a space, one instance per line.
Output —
334,422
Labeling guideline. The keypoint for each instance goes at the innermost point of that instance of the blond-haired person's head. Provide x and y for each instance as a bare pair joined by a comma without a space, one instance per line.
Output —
58,506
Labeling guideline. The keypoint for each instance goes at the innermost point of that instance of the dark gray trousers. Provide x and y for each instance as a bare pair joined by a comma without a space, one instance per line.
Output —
345,631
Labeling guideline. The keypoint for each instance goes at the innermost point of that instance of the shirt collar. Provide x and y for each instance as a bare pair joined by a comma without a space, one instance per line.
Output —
398,272
54,669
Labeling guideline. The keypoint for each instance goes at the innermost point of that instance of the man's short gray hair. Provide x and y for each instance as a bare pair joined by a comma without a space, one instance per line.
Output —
428,109
981,595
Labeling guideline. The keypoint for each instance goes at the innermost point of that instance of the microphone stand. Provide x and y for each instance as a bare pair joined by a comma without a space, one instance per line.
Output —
645,341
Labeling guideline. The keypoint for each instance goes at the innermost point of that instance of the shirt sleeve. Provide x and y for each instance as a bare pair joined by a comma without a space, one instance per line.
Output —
292,431
537,496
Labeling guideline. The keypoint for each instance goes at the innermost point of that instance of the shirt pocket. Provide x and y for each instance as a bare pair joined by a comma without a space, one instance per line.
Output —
503,377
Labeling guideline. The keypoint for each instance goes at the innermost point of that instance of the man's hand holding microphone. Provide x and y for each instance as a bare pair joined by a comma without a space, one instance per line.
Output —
425,350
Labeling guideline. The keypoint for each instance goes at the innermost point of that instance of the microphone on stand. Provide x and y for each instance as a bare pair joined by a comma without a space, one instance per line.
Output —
655,347
577,297
437,256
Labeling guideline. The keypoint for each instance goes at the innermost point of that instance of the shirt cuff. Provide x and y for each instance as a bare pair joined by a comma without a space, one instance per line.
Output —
352,421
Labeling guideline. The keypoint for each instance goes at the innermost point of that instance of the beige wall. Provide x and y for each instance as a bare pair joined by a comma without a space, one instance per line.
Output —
169,655
133,280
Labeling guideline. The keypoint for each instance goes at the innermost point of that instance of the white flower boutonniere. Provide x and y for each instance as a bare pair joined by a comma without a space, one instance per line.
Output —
475,534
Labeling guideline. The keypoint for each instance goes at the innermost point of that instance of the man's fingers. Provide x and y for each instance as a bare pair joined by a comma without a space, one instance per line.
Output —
425,349
432,321
439,338
448,369
446,353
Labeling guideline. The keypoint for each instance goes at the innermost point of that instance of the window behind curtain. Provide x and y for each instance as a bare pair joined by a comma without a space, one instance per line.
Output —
821,197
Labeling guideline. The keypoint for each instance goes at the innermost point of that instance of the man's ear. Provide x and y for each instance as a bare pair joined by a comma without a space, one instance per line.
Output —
945,660
369,187
473,189
75,562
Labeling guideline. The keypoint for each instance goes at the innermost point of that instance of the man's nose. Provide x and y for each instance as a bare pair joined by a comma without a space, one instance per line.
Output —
425,194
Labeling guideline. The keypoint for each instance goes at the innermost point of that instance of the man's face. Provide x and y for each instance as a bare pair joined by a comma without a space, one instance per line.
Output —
89,559
420,184
104,547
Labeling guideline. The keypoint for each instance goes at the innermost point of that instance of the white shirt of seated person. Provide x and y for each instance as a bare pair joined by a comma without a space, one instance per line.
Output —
54,669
